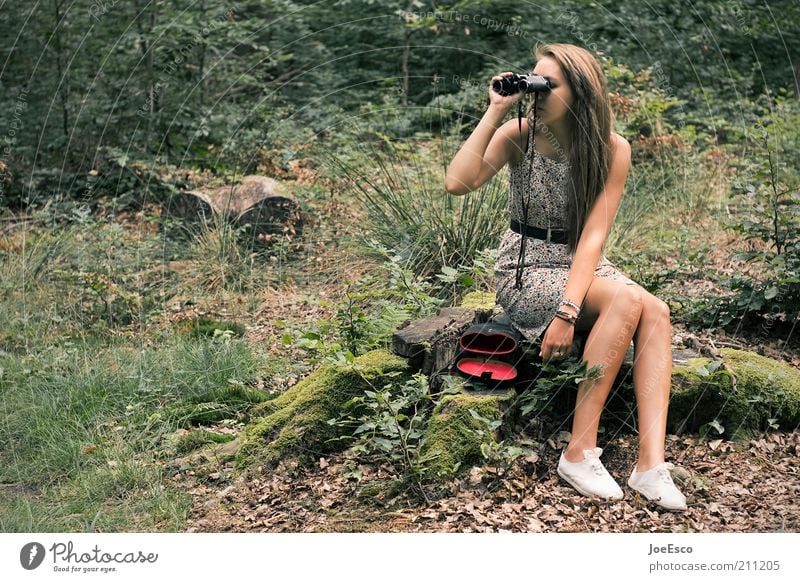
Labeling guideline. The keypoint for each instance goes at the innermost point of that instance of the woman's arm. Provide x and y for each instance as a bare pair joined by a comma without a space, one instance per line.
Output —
487,149
598,225
481,156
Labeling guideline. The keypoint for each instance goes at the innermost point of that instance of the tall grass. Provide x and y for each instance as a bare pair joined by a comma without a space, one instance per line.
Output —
220,261
410,212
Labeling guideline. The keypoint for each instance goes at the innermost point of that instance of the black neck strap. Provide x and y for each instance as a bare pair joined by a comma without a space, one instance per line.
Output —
521,258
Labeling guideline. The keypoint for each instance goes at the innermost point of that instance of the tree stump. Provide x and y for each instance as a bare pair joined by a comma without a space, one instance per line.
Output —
263,204
741,392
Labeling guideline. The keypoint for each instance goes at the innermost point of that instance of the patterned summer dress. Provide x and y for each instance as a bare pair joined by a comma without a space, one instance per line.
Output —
546,265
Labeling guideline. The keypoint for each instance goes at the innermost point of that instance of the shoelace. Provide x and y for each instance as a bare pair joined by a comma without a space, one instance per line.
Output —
597,466
663,472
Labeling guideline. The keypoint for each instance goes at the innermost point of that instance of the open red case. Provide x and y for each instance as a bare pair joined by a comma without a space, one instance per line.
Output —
488,353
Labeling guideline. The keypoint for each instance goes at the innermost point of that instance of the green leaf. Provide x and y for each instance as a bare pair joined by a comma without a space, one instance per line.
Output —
466,281
383,444
449,271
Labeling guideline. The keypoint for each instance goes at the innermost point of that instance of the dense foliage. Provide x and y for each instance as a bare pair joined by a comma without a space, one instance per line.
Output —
100,84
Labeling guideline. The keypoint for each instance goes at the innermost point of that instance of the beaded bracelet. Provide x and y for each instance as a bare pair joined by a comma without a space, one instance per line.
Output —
566,301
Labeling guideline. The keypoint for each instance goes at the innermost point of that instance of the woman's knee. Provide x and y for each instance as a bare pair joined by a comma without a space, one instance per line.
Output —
632,300
655,309
611,295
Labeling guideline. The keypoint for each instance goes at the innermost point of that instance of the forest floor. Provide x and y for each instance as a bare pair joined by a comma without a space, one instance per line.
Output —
730,485
747,486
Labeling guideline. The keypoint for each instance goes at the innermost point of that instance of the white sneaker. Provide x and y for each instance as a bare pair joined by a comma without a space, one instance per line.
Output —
589,476
656,485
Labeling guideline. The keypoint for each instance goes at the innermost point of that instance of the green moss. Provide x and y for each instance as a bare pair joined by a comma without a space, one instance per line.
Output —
772,388
766,389
454,436
218,403
195,439
296,422
478,300
209,458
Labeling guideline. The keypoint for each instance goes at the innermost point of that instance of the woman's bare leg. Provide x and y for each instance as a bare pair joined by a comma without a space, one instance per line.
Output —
652,379
613,310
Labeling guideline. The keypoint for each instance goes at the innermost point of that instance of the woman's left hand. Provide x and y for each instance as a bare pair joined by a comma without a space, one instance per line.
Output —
557,341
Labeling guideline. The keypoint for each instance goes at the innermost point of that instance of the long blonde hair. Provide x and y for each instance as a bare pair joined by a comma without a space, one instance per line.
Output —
590,121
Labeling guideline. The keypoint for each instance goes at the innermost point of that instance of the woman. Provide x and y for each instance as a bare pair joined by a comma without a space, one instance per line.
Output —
567,179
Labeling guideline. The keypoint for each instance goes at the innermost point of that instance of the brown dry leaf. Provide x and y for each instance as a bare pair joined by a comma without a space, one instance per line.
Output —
748,487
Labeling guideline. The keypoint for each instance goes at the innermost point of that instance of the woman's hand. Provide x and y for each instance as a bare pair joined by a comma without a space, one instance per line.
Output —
503,102
557,341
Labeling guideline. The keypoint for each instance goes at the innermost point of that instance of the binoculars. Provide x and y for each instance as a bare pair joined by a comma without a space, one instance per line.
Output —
524,83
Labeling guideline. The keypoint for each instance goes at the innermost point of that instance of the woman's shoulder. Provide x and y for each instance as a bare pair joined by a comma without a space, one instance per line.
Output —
618,141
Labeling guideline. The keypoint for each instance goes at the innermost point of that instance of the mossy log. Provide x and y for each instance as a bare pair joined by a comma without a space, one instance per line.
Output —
766,395
454,436
296,422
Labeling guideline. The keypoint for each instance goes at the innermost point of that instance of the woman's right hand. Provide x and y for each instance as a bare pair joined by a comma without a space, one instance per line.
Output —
504,102
557,342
